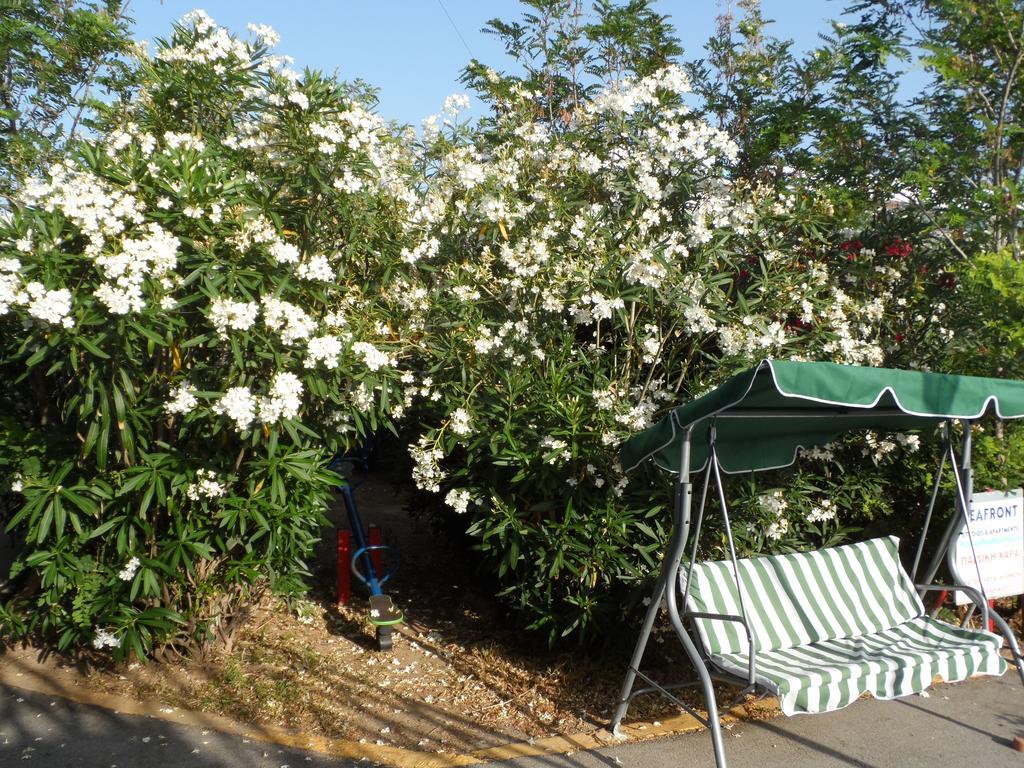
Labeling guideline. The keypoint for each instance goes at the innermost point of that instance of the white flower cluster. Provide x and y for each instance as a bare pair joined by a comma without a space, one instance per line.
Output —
752,338
130,568
103,212
212,43
630,94
878,449
347,181
458,499
374,358
774,503
594,306
823,512
96,207
557,450
236,315
264,34
290,320
460,423
153,254
454,104
284,253
205,486
316,268
778,529
854,328
105,638
256,229
283,401
130,136
183,400
427,472
323,349
50,306
239,405
912,443
824,453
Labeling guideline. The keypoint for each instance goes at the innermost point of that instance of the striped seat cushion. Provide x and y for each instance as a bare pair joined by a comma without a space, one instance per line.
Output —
807,597
828,675
831,625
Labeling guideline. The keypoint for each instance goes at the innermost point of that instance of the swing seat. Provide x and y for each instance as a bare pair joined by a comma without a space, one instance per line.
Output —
826,627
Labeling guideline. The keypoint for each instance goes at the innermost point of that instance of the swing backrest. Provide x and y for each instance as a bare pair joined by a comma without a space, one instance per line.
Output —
806,597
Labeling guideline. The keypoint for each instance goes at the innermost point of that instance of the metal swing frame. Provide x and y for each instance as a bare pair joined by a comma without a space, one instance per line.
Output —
665,589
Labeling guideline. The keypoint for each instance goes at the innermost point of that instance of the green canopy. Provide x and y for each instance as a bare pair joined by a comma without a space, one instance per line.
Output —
763,416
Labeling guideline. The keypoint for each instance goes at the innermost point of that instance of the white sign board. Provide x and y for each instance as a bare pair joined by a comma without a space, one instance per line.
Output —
997,527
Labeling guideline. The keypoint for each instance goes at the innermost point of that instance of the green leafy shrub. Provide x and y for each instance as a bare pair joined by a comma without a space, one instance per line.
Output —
199,306
587,275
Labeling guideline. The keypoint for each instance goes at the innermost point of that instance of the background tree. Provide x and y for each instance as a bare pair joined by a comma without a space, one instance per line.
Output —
55,56
972,155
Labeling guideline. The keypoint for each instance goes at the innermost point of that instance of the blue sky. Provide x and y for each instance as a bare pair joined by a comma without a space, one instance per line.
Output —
409,49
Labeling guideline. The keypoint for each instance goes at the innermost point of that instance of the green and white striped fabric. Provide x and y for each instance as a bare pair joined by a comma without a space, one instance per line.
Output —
831,625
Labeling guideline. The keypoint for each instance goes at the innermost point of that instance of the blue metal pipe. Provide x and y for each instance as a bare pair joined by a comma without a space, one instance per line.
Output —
373,582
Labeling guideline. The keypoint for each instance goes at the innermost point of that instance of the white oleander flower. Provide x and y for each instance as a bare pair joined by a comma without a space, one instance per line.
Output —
374,358
778,529
206,486
284,253
236,315
458,499
53,307
265,34
323,349
288,319
284,399
823,512
239,405
128,572
317,268
460,422
183,400
105,638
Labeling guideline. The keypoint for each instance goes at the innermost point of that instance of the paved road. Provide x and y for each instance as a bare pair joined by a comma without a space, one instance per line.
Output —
40,730
967,725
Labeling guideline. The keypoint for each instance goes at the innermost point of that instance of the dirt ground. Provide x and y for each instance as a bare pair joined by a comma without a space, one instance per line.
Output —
459,678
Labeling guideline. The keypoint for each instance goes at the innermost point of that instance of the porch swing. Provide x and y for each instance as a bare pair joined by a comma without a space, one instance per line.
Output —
816,629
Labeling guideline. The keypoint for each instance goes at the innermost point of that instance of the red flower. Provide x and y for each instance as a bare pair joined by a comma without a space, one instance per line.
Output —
899,338
899,248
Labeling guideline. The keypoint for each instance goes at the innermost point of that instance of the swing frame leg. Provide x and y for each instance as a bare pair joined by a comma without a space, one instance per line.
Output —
666,587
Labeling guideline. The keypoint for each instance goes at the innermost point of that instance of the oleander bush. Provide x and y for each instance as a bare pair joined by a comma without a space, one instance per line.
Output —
244,269
199,306
588,274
